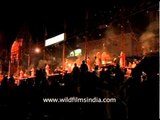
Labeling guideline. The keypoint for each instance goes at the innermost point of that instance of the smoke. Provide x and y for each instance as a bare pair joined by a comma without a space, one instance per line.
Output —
112,41
149,39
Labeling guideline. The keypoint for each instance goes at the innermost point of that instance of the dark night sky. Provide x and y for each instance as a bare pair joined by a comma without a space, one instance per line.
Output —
38,16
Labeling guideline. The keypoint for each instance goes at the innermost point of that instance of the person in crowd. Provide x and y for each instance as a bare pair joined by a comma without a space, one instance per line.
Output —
84,67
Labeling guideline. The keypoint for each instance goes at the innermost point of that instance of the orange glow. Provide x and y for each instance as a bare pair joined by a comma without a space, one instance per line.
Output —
1,78
21,74
33,72
37,50
133,65
122,59
47,69
103,62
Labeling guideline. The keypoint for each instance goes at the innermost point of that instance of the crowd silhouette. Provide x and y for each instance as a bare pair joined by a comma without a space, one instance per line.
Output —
136,97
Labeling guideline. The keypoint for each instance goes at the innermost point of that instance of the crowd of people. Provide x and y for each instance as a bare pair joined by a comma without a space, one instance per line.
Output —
136,96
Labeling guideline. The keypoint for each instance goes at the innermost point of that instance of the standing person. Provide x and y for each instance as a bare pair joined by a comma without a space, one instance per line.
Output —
89,63
33,72
21,76
47,70
83,67
122,61
75,71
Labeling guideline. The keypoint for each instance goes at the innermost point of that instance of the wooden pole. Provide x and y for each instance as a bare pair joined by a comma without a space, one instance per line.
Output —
123,39
64,47
9,69
86,35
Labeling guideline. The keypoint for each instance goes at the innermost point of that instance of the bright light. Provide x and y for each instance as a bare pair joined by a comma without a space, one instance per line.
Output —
69,65
54,40
76,52
37,50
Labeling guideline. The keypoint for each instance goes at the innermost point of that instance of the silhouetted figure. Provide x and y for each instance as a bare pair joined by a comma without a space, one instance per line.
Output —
75,72
119,75
11,82
4,82
143,95
40,77
84,67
